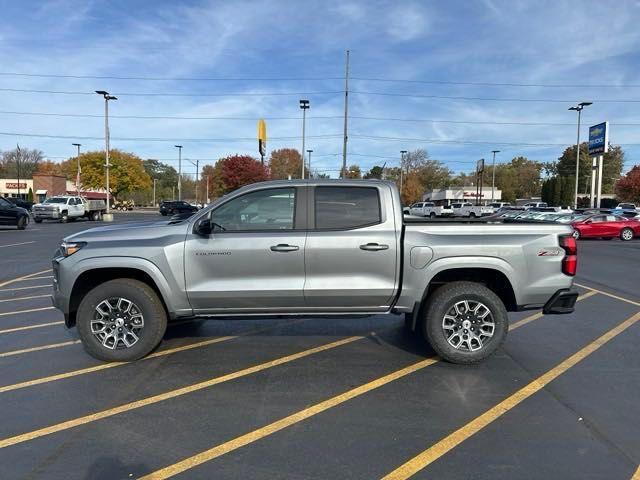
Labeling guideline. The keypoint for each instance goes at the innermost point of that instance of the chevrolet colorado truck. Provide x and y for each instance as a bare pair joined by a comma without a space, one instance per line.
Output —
312,247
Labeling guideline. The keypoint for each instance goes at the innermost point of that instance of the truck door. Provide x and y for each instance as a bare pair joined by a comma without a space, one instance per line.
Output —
352,250
254,259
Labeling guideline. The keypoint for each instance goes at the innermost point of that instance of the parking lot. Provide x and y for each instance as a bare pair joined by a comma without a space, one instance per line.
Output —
320,397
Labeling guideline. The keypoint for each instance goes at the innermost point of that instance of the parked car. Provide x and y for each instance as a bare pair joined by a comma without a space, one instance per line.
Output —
606,226
312,247
11,214
429,209
27,205
470,210
171,207
68,207
535,205
499,205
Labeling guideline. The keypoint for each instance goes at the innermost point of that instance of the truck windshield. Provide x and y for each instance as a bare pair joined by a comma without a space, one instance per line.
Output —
55,200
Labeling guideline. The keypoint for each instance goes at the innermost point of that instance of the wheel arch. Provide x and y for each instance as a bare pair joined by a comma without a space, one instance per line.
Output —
93,275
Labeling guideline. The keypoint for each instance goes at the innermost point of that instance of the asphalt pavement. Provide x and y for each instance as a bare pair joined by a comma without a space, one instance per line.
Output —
320,398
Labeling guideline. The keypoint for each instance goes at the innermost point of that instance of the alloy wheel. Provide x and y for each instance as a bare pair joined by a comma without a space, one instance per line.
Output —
468,325
117,323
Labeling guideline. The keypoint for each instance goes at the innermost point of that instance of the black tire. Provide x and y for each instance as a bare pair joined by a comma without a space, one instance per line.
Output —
432,215
95,216
626,234
472,215
150,306
64,217
442,303
164,214
37,220
22,223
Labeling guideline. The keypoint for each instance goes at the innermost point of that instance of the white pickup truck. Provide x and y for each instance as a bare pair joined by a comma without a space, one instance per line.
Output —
470,210
429,209
67,207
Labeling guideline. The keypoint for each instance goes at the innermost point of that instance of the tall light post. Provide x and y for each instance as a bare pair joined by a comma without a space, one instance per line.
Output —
197,165
78,170
402,152
107,217
309,152
493,175
304,105
179,147
578,108
154,191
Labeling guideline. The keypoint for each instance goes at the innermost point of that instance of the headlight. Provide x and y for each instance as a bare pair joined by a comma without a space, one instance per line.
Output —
71,248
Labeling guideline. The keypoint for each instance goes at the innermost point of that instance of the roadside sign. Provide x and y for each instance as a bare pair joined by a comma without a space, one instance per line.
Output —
480,166
599,139
262,137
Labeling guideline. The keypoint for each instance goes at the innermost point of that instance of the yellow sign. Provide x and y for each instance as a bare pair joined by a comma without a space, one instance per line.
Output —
262,137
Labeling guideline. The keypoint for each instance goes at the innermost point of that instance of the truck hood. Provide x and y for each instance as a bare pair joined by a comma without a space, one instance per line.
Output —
130,231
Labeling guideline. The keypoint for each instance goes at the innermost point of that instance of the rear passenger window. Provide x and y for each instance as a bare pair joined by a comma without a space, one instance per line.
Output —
346,207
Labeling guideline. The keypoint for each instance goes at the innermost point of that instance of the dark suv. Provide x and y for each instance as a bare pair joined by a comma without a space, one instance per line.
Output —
11,214
172,207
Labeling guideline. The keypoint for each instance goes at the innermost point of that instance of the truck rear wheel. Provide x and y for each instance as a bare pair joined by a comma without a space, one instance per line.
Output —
465,322
121,320
64,217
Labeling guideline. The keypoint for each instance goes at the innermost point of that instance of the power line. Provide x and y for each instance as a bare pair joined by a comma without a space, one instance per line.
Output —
171,94
491,99
170,79
496,84
156,139
471,142
325,117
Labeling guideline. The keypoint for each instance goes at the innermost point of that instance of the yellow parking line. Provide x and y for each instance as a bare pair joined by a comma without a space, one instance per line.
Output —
622,299
161,353
170,394
25,288
29,327
535,316
37,349
24,298
24,277
15,312
448,443
283,423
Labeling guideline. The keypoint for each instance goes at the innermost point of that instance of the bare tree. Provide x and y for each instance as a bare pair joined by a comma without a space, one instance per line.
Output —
22,162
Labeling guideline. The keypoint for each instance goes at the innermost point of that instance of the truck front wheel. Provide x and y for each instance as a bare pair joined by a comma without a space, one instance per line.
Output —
121,320
465,322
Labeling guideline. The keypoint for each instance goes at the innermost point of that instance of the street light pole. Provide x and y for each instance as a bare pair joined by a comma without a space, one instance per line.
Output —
493,179
154,191
304,105
309,152
78,170
578,108
402,152
107,217
179,147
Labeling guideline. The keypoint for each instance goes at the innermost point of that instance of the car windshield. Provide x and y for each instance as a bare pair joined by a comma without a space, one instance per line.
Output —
55,200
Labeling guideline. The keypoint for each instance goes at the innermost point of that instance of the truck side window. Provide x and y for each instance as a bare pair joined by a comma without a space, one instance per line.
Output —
346,207
272,209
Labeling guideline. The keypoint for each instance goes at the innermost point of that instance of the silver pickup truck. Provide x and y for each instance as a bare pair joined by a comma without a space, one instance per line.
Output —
313,247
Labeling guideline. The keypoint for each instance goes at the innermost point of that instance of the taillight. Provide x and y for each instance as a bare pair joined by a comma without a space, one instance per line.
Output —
570,260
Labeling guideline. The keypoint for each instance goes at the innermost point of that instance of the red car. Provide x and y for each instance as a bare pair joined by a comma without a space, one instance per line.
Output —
606,226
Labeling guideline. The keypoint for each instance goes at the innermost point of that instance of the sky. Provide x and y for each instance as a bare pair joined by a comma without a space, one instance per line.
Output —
458,78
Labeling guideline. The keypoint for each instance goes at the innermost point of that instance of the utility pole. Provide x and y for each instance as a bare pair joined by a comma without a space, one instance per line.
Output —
304,105
346,112
197,165
207,188
402,152
493,179
578,108
107,217
179,147
154,191
78,170
309,152
18,155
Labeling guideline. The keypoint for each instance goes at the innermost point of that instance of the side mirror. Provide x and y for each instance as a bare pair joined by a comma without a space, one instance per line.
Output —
203,227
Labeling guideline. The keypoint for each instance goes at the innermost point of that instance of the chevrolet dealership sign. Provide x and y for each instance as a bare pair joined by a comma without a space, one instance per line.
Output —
599,139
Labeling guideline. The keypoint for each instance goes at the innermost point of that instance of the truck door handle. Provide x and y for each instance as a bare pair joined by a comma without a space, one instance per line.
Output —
374,247
283,247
